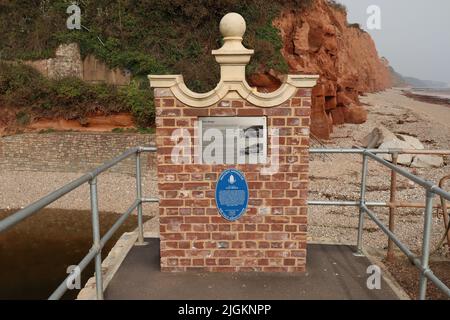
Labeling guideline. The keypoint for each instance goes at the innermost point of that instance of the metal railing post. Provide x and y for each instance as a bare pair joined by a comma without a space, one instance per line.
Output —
426,244
96,237
139,199
362,201
392,208
444,210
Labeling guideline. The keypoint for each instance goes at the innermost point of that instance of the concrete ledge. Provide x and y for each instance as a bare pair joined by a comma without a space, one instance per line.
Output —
116,256
110,265
388,277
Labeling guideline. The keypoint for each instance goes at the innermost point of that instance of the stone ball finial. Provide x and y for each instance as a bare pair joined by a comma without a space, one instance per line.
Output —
232,25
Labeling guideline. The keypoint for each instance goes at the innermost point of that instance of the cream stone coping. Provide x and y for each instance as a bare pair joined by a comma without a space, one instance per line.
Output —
200,100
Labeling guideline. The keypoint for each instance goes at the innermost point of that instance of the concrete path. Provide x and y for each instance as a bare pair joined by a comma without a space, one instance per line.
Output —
332,273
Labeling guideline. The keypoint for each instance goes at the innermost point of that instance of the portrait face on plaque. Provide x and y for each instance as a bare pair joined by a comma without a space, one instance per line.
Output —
233,140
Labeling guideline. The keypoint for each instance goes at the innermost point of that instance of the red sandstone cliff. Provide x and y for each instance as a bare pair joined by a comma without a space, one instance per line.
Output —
320,41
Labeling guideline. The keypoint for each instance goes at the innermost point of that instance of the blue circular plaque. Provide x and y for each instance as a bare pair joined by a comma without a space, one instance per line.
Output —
231,194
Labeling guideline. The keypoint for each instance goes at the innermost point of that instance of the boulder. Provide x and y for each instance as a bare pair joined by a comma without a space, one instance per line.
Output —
320,126
377,137
413,142
427,161
330,119
355,114
400,141
343,100
318,90
338,116
404,159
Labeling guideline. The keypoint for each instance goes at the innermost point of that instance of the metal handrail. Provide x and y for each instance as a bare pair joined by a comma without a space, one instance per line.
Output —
379,151
431,191
98,243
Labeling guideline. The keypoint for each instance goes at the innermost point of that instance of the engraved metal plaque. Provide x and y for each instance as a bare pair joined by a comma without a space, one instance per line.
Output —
233,140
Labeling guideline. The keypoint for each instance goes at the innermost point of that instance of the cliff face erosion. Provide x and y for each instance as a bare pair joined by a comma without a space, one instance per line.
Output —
320,41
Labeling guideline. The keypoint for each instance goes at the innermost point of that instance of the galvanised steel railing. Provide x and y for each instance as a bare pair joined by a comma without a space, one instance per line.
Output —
98,243
95,252
431,190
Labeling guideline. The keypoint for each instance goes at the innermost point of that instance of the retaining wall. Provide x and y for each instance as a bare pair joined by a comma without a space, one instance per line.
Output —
70,151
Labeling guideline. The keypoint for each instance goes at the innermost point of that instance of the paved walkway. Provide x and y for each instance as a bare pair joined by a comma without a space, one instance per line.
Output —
332,273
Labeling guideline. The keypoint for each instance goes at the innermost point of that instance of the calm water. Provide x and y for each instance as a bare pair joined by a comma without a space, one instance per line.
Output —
35,254
443,93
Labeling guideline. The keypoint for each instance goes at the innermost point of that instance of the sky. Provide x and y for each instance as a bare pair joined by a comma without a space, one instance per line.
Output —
414,34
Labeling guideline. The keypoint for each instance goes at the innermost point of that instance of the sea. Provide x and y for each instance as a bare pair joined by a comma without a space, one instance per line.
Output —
441,93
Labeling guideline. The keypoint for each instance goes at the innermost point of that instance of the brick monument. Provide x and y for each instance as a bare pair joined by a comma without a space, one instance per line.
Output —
270,234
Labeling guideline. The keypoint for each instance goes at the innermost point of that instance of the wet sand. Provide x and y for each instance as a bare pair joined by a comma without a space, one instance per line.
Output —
438,112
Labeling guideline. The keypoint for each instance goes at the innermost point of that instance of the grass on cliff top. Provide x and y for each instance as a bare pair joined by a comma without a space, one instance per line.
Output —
33,95
145,37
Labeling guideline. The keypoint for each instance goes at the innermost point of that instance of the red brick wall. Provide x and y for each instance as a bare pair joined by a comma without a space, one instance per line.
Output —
271,235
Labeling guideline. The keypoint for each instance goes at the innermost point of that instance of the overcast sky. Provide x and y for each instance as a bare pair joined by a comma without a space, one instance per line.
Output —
414,35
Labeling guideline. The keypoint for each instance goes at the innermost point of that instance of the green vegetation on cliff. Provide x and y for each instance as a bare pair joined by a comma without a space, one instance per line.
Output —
36,96
145,37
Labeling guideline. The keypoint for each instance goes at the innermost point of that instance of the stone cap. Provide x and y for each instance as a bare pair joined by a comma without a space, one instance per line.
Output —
233,53
233,57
